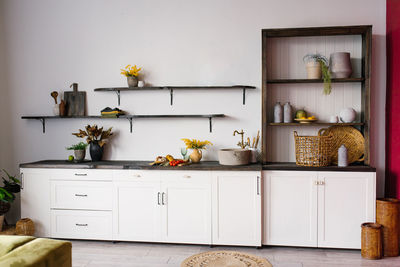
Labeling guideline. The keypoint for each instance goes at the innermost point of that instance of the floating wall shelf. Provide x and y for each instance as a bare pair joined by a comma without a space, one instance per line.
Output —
346,80
171,89
127,117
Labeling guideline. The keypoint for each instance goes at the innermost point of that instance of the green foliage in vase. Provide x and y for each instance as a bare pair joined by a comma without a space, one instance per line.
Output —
79,146
326,74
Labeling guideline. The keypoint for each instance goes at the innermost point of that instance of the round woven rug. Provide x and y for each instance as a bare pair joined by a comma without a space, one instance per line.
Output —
225,259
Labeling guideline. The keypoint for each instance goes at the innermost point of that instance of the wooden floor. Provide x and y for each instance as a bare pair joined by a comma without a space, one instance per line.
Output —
99,254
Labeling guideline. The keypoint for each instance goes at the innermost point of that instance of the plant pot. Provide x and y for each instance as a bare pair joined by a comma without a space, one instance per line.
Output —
314,70
340,65
1,222
13,188
80,154
96,151
132,81
196,155
25,226
4,207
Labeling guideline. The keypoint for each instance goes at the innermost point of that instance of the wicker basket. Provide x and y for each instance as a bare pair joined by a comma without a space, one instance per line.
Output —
25,226
313,151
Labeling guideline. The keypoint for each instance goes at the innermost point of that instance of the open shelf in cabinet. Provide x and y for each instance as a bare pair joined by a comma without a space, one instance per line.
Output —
345,80
315,124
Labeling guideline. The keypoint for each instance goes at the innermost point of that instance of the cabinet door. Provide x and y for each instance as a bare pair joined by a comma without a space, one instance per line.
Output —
186,212
237,208
137,211
345,201
290,208
35,199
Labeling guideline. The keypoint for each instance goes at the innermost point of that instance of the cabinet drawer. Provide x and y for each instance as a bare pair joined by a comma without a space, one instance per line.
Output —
81,224
187,176
82,174
83,195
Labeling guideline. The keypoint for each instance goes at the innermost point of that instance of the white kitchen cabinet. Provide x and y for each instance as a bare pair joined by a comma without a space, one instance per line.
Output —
236,208
290,208
186,207
137,214
345,201
35,199
319,209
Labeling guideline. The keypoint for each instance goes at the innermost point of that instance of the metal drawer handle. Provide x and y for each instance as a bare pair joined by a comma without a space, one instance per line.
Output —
81,224
80,174
80,195
187,176
158,198
137,175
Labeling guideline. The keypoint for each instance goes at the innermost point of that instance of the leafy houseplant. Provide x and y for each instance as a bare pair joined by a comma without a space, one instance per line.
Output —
79,150
316,65
197,146
11,183
132,73
96,138
7,195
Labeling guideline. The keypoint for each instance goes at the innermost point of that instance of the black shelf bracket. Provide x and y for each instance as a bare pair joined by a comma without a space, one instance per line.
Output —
210,121
118,92
43,121
244,96
171,94
130,119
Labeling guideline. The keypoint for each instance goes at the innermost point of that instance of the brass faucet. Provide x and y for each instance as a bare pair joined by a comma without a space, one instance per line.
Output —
242,144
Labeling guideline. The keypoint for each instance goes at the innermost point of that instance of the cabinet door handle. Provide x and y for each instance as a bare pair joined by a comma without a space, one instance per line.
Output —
187,176
80,174
158,198
80,195
81,224
322,183
162,198
258,185
22,180
137,175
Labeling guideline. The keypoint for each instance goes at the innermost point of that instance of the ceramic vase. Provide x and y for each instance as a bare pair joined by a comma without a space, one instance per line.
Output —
132,81
313,70
56,110
287,113
96,151
80,154
278,113
340,65
253,155
348,115
196,155
342,156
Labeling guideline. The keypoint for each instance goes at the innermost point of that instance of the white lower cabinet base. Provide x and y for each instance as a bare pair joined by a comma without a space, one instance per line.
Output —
81,224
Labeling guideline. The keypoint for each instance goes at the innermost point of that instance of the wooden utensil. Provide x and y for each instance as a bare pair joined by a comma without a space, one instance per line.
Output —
75,101
54,94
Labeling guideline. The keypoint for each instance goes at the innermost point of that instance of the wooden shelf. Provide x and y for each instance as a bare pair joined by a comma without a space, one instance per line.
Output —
127,117
315,124
171,89
347,80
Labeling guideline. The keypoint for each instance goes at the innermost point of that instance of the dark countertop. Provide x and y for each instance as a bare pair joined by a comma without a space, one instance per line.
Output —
136,165
291,166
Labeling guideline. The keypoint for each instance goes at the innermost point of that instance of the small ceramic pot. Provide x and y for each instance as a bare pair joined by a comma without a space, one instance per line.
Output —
313,70
348,115
80,154
56,110
278,113
132,81
96,151
141,83
333,119
342,156
340,65
253,155
287,113
196,155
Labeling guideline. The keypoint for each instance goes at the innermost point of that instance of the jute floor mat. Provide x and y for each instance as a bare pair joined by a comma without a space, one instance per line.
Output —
225,259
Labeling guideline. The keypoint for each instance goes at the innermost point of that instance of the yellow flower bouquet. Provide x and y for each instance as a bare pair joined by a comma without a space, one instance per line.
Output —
197,146
130,71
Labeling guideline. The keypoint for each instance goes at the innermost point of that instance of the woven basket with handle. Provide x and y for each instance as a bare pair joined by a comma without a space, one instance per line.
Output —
313,151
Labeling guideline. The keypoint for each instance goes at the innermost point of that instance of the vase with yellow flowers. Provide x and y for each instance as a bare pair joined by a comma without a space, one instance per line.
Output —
197,147
132,74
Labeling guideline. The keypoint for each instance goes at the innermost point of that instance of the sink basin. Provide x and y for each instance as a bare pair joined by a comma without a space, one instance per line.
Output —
234,156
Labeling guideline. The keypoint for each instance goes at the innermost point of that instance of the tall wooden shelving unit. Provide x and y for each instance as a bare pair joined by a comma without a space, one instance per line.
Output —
282,50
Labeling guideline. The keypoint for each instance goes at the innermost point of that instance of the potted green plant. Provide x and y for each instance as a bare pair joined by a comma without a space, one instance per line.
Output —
317,65
96,138
11,183
131,73
79,151
6,198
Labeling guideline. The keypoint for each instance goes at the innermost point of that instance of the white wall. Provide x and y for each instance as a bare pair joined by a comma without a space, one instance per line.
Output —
50,44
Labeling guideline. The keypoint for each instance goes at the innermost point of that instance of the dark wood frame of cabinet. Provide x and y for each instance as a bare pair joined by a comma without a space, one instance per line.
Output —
366,33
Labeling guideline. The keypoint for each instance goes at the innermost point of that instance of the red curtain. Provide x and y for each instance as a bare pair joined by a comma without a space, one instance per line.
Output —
393,99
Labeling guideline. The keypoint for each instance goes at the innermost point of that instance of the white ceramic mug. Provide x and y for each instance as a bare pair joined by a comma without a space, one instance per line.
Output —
141,83
333,119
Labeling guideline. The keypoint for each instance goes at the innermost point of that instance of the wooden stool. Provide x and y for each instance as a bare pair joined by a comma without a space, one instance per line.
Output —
371,241
387,214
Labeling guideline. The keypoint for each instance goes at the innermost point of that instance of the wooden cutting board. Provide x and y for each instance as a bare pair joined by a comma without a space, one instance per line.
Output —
75,101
